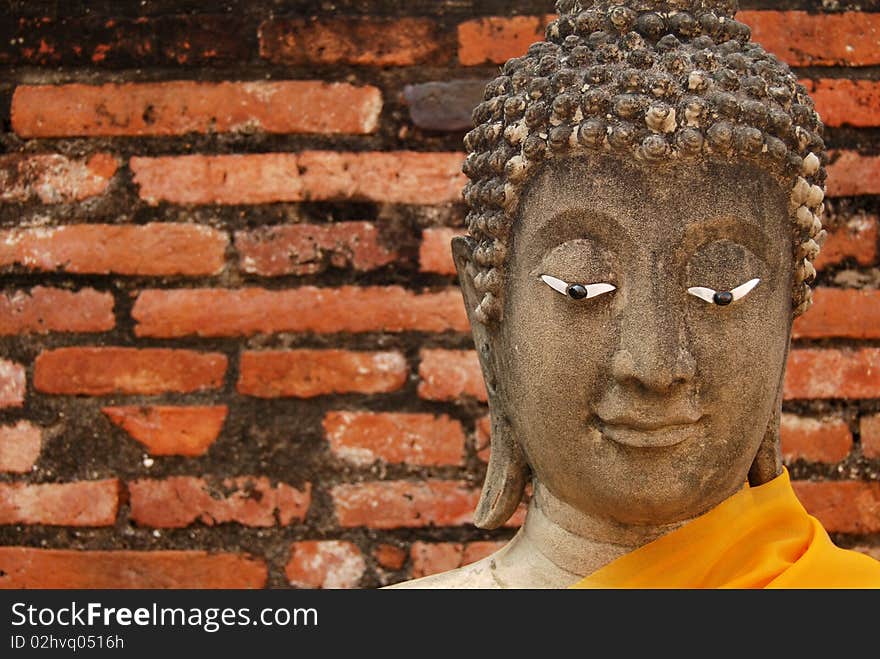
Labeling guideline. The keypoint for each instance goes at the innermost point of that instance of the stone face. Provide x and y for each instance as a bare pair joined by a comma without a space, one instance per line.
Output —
444,106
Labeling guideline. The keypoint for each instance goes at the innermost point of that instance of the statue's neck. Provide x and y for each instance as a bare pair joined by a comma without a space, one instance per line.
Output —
559,544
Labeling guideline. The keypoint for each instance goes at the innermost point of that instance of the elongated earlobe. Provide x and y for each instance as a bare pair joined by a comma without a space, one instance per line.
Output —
767,464
506,478
508,471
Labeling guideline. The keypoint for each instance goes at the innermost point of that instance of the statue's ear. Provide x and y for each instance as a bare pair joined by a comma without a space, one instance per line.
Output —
508,470
767,463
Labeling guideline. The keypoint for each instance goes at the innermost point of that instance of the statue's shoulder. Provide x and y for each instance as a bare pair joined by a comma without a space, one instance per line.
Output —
475,575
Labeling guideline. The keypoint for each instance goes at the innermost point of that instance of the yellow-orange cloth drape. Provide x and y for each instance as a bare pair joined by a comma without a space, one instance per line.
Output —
761,537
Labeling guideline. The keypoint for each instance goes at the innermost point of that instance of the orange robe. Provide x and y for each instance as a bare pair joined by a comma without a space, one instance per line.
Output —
761,537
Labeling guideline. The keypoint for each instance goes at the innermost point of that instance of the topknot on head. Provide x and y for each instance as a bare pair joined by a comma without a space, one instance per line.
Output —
719,7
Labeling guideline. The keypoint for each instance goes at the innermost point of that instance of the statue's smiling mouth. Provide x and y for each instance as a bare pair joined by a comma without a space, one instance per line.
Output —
653,433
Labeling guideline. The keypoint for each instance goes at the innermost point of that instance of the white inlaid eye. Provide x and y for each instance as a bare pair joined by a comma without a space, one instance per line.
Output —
723,298
577,291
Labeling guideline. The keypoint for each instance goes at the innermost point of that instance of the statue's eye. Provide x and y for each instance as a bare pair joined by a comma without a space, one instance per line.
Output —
723,298
577,291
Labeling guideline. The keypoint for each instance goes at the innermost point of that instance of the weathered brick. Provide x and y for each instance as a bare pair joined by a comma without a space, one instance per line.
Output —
247,311
358,41
444,105
815,373
495,39
855,239
102,371
82,503
869,430
434,557
180,501
851,174
307,249
396,504
325,564
420,439
450,375
815,440
402,177
53,178
842,506
13,383
27,567
802,39
42,310
143,41
841,312
170,430
19,446
391,557
156,248
435,252
179,107
844,102
307,373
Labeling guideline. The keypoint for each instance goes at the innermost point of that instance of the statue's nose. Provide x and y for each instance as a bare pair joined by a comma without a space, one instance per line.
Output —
653,351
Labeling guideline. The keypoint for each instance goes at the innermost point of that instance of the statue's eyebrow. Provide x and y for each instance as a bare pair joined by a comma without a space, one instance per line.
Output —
581,222
746,233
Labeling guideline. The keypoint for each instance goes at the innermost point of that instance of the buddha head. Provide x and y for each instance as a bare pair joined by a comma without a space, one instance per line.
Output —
644,194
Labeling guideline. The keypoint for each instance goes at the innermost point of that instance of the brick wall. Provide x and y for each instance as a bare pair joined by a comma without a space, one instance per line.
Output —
233,351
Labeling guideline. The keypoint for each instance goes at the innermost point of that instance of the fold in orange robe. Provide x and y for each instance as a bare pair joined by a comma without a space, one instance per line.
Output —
761,537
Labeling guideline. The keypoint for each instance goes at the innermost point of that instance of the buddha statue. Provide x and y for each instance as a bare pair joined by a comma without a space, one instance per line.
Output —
645,193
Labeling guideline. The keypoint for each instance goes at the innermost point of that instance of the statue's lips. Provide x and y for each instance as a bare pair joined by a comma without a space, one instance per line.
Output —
657,434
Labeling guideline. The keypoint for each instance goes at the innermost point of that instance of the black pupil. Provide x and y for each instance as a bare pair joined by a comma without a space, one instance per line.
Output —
723,298
577,291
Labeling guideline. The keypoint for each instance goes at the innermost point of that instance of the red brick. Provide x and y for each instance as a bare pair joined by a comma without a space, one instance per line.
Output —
450,375
856,239
42,310
844,102
325,564
102,371
434,557
390,557
307,249
396,504
140,41
248,311
869,429
182,106
169,430
435,252
842,506
840,312
157,248
19,446
12,384
814,373
180,501
495,39
851,174
307,373
402,177
358,41
26,567
483,437
814,440
83,503
803,39
53,178
420,439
